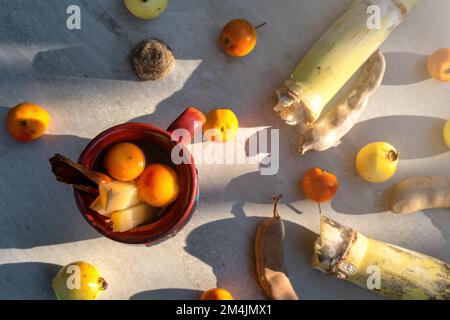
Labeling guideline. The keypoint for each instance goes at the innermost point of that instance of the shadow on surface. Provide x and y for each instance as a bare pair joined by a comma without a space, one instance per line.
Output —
40,211
238,275
79,61
415,137
403,68
167,294
440,218
99,50
28,280
271,168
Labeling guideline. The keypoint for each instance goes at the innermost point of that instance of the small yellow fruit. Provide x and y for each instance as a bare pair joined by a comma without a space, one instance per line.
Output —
377,162
447,133
78,281
146,9
221,125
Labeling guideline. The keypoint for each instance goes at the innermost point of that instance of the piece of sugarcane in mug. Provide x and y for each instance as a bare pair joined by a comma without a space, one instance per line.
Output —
389,270
336,57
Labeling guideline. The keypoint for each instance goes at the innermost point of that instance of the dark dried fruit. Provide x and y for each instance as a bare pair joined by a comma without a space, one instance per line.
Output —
152,59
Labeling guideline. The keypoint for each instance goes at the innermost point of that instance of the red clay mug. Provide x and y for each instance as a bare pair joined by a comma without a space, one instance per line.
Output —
160,142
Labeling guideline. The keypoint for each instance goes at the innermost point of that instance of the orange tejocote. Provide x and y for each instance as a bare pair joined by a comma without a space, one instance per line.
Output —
159,185
439,65
238,38
125,161
216,294
319,185
27,122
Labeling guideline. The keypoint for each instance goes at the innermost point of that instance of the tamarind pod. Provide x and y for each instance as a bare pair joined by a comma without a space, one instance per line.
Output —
327,132
420,193
270,264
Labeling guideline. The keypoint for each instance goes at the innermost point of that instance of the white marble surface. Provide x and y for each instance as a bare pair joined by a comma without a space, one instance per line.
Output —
84,80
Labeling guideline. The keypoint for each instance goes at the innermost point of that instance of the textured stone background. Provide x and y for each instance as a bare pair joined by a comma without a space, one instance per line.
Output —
84,80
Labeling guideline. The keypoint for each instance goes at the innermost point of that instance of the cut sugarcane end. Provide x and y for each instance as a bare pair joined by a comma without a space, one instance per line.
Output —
333,240
296,109
335,249
286,107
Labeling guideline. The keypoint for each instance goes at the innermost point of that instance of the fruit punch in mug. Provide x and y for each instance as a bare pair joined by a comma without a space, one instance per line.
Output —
150,199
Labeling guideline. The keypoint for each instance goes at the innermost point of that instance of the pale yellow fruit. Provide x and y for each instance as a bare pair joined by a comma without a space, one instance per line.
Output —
447,133
78,281
146,9
377,162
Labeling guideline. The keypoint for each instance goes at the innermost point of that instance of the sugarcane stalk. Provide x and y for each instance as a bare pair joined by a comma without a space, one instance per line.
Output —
336,57
403,274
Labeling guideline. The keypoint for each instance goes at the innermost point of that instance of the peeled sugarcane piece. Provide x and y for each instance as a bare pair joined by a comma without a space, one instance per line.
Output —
270,265
118,195
326,132
403,274
336,57
125,220
97,207
420,193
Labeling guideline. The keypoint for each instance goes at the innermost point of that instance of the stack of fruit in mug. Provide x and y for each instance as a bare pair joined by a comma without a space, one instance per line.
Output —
139,193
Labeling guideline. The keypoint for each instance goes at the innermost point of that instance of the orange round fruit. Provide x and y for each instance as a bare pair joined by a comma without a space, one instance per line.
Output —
216,294
159,185
221,125
319,185
27,122
439,65
124,161
238,38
